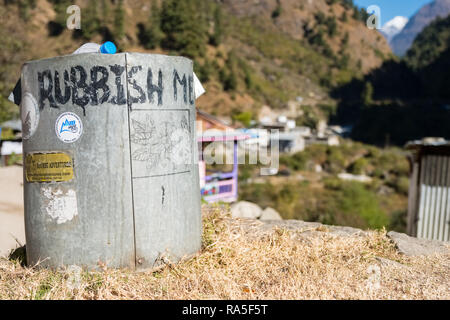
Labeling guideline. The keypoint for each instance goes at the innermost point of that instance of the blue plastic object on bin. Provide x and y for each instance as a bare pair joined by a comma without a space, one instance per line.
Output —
108,47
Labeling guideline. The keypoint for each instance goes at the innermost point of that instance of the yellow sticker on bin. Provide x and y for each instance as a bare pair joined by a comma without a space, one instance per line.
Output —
48,167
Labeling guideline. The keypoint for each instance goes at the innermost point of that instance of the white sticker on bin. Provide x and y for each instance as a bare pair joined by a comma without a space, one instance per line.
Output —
68,127
198,88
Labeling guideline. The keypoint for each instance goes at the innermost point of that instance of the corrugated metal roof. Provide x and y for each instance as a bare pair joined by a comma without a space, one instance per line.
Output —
427,142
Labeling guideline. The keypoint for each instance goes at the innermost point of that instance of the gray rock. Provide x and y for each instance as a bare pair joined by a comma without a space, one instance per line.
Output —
315,227
292,225
411,246
270,214
245,209
346,231
389,263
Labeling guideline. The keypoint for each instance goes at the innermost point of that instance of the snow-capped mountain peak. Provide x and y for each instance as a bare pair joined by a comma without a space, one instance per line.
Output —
394,27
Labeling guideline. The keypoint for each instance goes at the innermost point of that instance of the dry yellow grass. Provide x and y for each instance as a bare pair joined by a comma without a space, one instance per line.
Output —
240,262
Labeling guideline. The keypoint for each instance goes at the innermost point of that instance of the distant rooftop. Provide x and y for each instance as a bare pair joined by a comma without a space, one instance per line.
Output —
16,125
427,142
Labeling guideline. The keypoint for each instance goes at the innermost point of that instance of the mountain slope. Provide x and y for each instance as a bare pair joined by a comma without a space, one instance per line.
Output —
403,41
429,44
248,54
430,57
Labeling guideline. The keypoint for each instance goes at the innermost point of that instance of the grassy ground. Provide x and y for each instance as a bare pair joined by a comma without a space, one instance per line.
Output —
238,262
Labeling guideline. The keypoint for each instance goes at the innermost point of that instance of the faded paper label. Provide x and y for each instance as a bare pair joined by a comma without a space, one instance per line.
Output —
48,167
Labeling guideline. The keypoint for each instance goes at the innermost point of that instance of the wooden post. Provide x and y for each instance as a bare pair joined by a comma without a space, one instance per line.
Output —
413,196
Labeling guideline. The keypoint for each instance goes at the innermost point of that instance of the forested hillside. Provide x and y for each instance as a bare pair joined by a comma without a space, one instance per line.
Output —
248,54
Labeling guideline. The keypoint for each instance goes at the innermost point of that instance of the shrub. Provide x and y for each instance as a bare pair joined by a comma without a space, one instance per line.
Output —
398,221
243,117
359,166
356,200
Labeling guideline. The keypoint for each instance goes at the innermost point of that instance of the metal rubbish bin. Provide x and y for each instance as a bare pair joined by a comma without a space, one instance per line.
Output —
110,160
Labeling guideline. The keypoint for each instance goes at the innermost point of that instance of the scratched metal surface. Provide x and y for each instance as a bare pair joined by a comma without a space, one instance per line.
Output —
165,174
132,201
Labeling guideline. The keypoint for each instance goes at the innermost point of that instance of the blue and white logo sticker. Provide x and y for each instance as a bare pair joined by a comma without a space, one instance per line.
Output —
68,127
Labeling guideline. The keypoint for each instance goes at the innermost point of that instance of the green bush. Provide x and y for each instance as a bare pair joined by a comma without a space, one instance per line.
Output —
398,221
295,162
356,200
359,166
278,10
119,21
400,184
340,203
243,117
8,110
335,160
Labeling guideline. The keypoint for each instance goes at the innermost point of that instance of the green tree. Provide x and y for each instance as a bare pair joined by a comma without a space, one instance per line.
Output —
90,22
228,74
105,11
204,71
185,27
8,110
152,35
278,10
367,94
216,37
25,6
119,21
60,7
331,26
243,117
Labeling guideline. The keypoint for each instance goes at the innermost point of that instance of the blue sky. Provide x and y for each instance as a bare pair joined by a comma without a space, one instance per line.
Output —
393,8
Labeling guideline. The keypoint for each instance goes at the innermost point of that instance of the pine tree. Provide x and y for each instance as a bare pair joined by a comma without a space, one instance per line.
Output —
119,21
216,38
367,94
105,12
154,34
90,23
184,26
60,7
228,75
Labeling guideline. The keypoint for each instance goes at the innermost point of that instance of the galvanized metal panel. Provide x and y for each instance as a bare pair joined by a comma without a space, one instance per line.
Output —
413,197
432,188
101,228
164,155
445,218
437,193
423,198
442,199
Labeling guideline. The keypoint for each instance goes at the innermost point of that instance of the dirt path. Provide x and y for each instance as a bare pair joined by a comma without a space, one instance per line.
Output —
11,208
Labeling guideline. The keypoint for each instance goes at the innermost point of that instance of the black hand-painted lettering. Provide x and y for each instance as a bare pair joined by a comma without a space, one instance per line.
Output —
177,79
78,84
45,92
120,97
191,89
99,84
133,83
151,88
62,99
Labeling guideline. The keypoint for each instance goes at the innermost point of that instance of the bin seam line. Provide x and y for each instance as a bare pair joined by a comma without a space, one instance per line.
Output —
131,161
